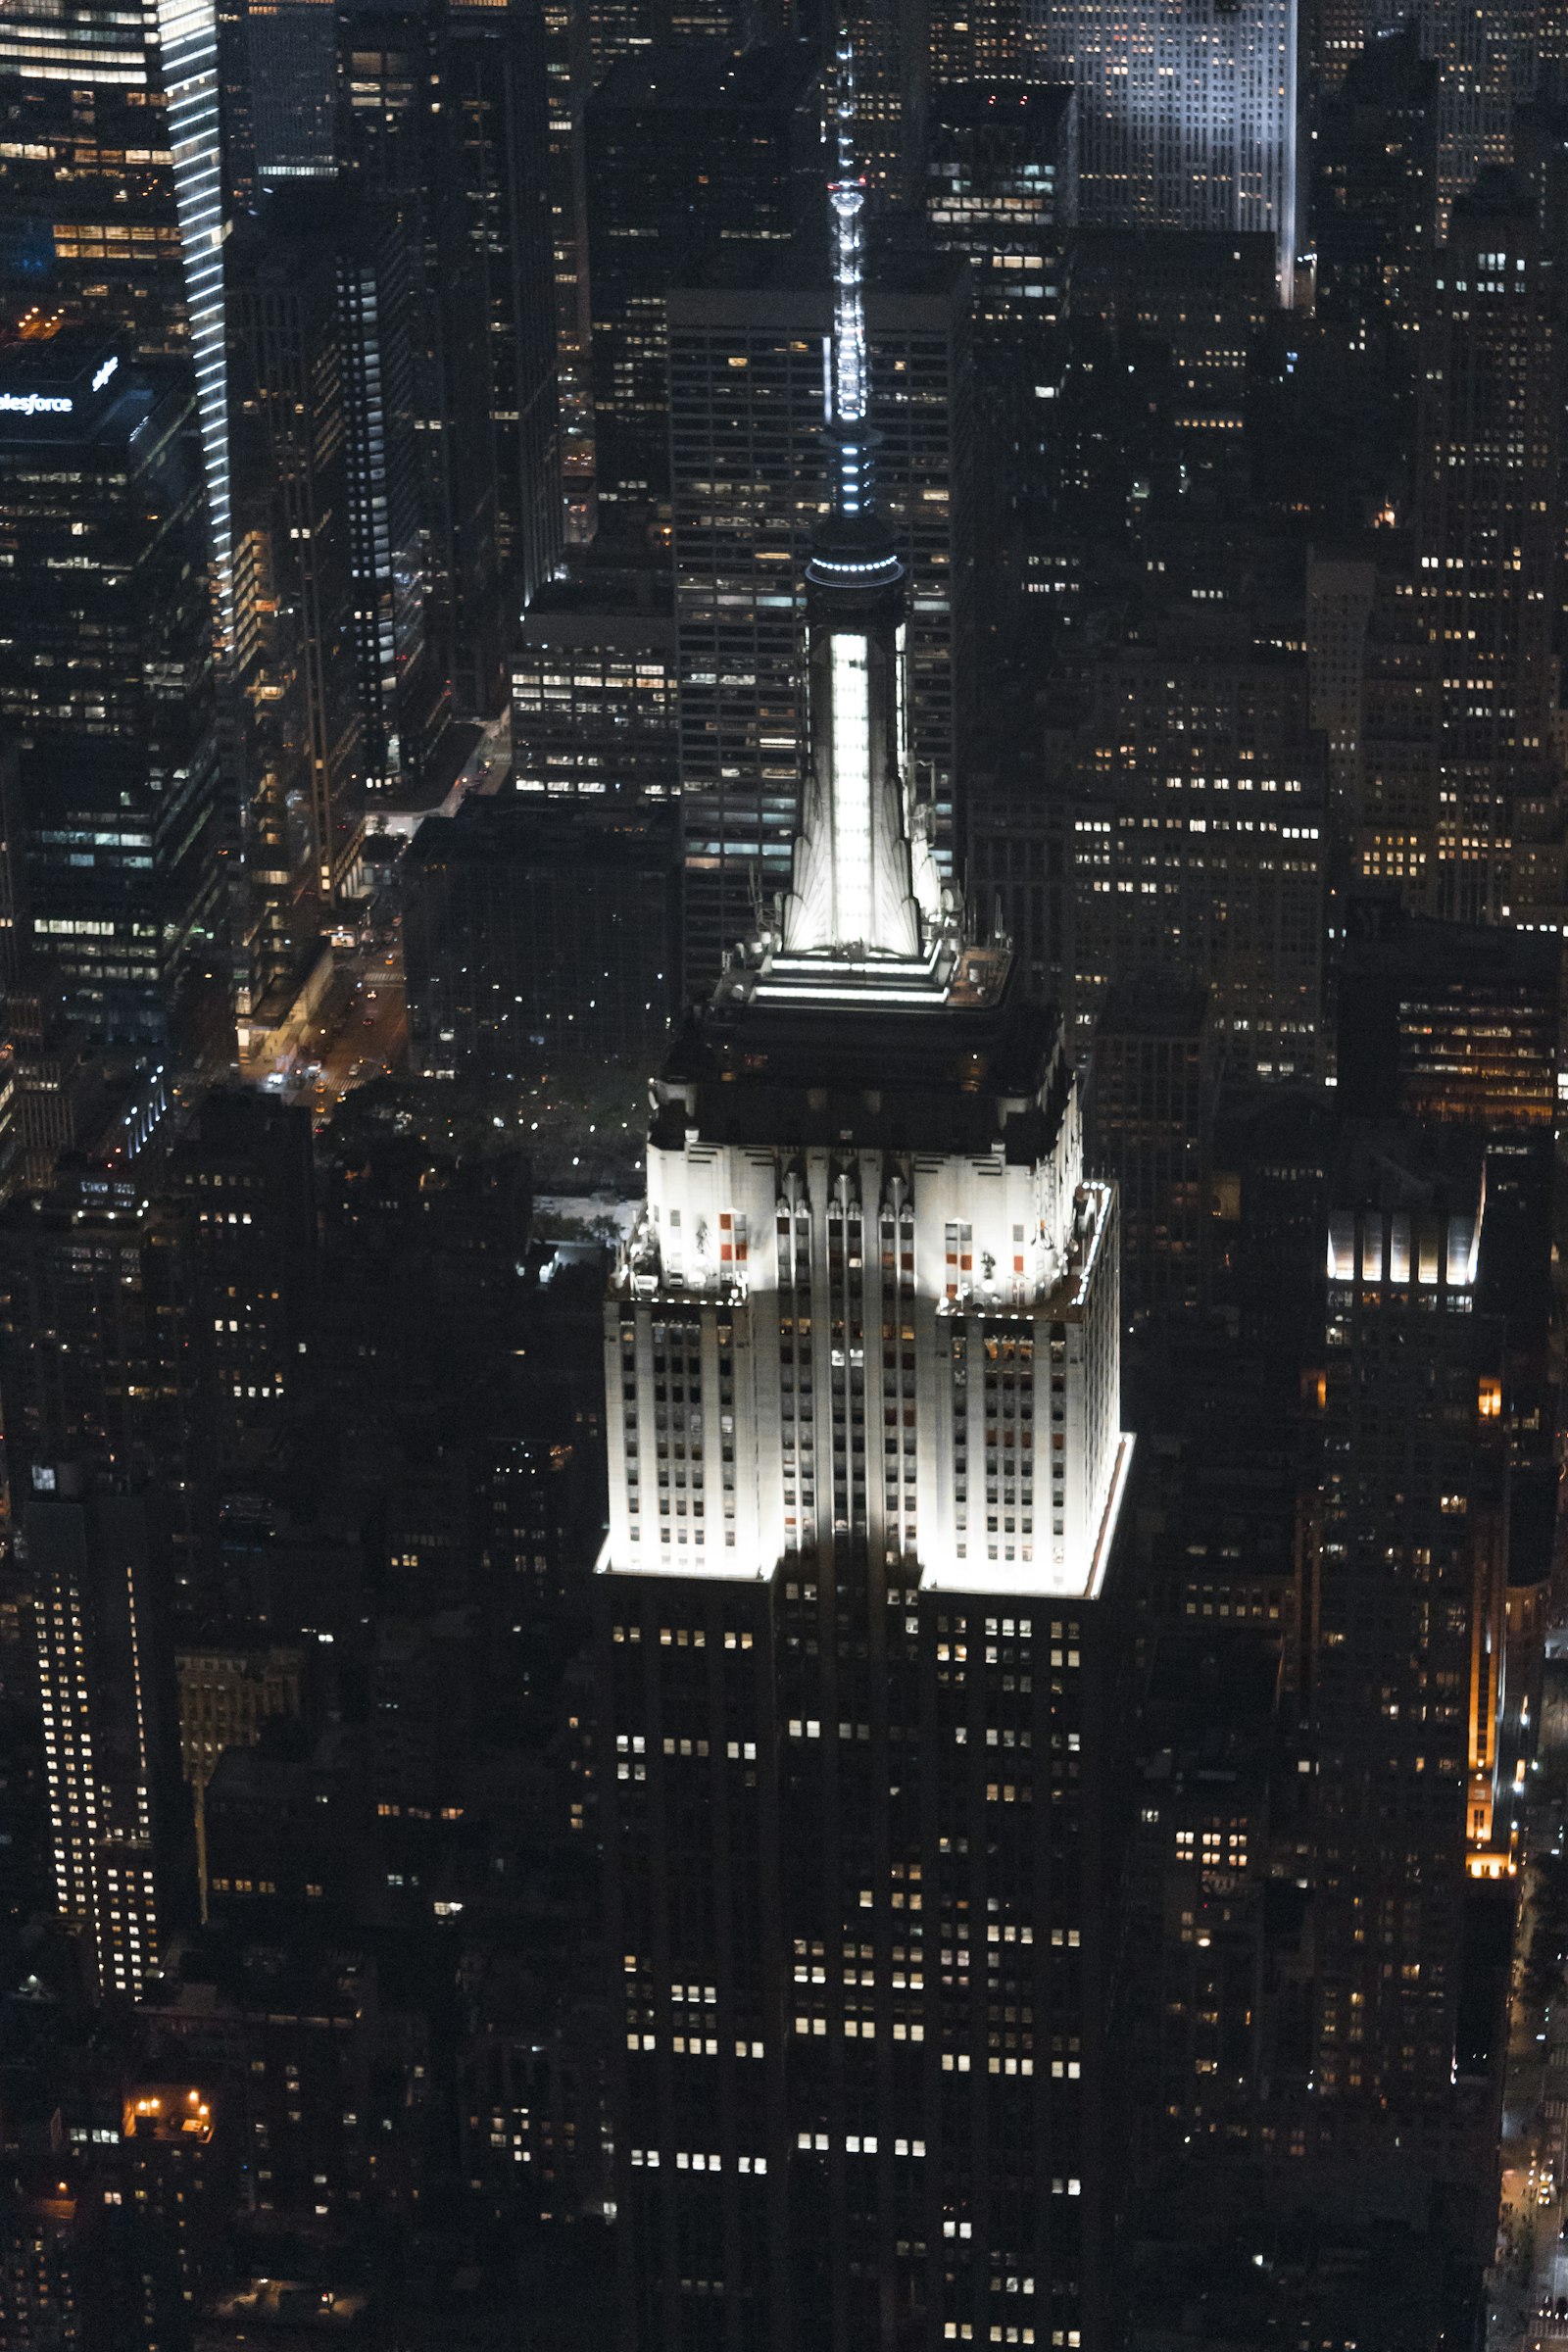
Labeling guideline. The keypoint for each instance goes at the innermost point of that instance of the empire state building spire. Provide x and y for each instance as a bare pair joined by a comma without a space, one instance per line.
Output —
864,885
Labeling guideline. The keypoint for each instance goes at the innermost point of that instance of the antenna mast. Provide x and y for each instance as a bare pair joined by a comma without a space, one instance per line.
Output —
853,490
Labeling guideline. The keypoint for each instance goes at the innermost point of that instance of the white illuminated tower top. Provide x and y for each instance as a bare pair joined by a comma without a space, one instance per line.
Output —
866,885
870,1316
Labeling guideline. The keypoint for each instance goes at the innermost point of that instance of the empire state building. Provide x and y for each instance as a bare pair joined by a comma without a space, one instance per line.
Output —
857,1599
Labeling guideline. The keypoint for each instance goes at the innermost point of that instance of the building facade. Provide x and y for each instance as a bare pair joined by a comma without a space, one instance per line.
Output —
856,1599
1488,530
1408,1617
111,198
293,377
1176,824
108,685
104,1727
595,697
687,146
1188,118
539,937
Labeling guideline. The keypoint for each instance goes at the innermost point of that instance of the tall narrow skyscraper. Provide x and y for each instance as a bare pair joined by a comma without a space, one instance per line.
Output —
861,1362
444,119
105,1732
1409,1568
1488,536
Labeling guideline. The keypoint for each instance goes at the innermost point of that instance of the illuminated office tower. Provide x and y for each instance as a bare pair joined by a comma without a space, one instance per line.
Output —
111,202
291,373
1374,194
688,146
861,1364
595,691
988,43
1488,532
403,701
399,140
495,83
105,1724
1186,816
893,64
291,72
750,480
1187,117
1002,185
1336,32
617,29
445,118
107,683
1451,1024
1486,61
563,30
358,343
1409,1791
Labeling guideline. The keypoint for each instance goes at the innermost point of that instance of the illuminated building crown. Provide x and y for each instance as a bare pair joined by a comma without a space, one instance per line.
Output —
865,891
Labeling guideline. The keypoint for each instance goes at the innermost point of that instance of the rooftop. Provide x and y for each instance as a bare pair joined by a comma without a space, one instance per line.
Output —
982,1075
899,270
1399,1166
74,389
976,104
532,831
678,76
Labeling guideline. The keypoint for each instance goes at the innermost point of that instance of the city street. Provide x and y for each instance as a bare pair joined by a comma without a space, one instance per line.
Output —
1528,2305
362,1033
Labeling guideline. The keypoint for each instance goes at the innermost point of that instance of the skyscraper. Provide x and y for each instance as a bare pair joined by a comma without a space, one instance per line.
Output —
94,1338
1187,116
1487,62
1488,529
292,369
751,478
616,28
566,36
403,702
1182,831
280,95
1408,1631
445,117
594,685
495,82
688,146
1340,595
107,681
1153,1132
856,1601
893,69
111,198
360,332
104,1729
1375,182
1002,185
